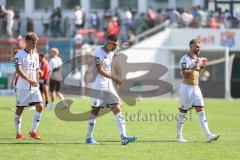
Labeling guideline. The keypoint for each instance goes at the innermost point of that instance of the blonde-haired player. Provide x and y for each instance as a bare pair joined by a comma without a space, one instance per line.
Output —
191,68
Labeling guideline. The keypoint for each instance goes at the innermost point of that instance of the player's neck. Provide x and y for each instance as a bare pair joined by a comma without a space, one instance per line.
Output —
105,49
192,55
28,50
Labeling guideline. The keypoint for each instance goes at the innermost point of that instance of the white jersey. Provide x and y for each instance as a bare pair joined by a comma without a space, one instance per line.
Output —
106,59
187,62
54,63
30,64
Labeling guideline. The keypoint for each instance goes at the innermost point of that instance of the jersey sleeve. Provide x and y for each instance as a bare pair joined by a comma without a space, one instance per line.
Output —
18,59
183,65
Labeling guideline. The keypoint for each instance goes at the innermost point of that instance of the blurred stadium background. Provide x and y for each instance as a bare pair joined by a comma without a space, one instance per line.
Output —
158,31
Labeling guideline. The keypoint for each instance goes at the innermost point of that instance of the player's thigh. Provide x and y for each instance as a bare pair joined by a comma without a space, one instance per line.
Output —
198,98
36,96
23,97
186,97
98,100
112,96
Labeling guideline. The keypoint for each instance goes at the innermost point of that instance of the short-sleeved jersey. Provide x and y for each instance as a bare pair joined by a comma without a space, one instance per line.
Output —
30,64
101,56
54,63
187,62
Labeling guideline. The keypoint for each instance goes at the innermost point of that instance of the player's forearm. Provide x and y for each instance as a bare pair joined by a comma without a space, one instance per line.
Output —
105,74
37,76
22,74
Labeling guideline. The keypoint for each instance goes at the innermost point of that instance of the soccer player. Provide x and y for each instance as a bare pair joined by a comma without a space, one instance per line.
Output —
191,67
27,90
43,82
55,76
104,83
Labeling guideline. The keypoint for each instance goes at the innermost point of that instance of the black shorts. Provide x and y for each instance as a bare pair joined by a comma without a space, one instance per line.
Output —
54,85
42,83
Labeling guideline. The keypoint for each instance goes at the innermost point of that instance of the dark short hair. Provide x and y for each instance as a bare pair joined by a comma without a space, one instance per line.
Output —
193,41
31,36
41,54
112,37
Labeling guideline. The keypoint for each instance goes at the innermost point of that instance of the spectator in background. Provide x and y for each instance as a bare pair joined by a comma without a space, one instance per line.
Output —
56,18
174,17
94,21
113,27
219,18
30,24
128,19
212,22
55,76
10,21
227,16
202,17
150,17
53,22
142,22
45,21
160,17
186,18
58,21
17,22
66,27
78,18
2,20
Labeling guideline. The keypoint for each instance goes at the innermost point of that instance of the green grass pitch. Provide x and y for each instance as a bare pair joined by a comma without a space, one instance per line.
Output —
152,120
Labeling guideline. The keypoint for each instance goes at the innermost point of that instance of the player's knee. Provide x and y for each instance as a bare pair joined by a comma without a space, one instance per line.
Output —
116,109
95,111
39,107
198,108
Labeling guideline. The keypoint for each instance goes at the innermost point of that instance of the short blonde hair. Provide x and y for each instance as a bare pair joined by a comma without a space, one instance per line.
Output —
54,51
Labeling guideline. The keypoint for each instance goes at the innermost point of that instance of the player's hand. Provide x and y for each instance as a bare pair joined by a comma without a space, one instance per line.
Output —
33,83
204,61
199,62
116,81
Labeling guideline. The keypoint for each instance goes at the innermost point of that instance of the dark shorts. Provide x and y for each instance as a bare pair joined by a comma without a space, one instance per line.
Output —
42,83
54,85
